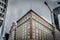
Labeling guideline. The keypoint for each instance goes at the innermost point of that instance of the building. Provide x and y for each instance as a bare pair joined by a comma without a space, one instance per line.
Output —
33,27
56,13
12,32
3,8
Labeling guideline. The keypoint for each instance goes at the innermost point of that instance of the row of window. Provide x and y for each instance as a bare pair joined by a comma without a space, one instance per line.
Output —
3,5
1,15
23,19
41,32
12,35
2,10
41,20
23,32
38,25
5,1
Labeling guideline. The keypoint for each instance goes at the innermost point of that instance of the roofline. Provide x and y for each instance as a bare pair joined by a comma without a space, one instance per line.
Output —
24,15
36,14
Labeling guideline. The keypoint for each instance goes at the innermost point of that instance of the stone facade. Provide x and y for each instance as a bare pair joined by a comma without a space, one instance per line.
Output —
33,27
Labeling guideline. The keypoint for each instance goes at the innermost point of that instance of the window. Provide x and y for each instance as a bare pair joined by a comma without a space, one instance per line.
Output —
33,16
27,16
3,11
36,30
0,2
1,22
0,14
41,26
5,6
42,35
34,35
5,1
2,5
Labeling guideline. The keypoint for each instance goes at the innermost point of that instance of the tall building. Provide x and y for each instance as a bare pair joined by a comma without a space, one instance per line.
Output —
33,27
3,9
56,12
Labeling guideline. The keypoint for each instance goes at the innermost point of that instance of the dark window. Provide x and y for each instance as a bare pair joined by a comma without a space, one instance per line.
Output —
1,21
3,16
3,11
1,8
2,5
0,14
0,2
5,6
6,1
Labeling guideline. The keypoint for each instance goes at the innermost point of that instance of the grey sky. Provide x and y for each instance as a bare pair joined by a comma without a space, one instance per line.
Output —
17,8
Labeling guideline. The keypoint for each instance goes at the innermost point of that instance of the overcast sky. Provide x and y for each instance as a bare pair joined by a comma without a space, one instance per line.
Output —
17,8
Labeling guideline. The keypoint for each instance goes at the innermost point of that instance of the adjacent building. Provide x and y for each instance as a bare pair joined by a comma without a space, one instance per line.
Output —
12,32
3,8
56,13
33,27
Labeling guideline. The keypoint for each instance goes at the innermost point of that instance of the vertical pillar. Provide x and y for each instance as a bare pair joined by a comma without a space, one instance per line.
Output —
30,26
